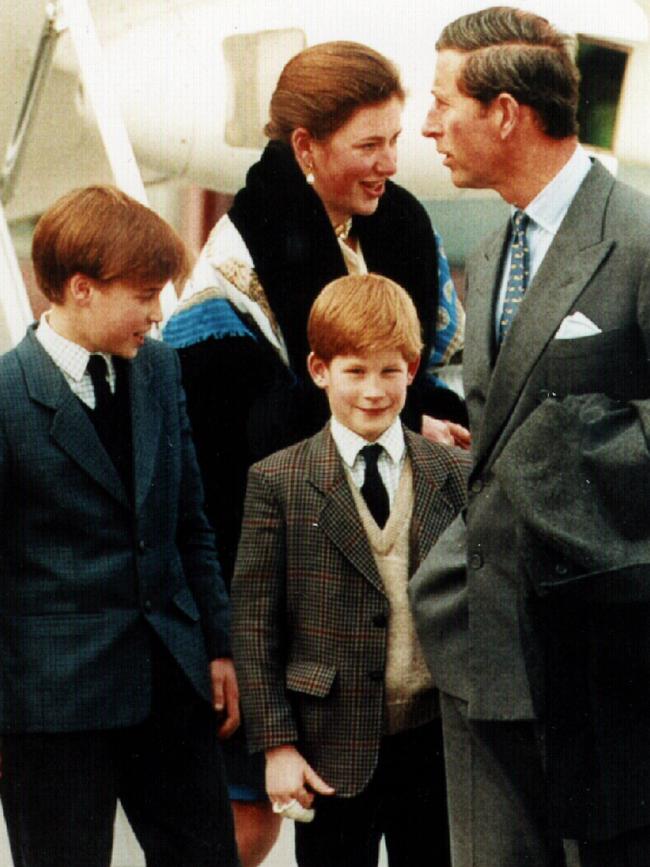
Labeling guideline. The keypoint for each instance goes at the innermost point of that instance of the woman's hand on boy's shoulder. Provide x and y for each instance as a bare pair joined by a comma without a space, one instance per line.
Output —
446,433
289,777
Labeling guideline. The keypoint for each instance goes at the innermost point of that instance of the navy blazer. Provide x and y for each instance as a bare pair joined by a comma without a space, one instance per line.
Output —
87,572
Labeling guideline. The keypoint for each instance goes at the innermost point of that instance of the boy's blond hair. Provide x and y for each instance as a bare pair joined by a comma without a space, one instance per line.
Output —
364,313
104,234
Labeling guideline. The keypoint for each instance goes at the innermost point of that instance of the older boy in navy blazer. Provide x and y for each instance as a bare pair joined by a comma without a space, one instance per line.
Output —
114,635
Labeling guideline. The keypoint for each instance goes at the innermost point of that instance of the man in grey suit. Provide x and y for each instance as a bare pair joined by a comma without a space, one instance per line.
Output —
540,647
114,634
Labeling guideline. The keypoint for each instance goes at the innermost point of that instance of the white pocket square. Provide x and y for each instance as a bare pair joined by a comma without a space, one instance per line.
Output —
576,325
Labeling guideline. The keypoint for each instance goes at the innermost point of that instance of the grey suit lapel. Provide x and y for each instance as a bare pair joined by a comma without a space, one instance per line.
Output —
339,518
572,260
146,422
479,331
71,428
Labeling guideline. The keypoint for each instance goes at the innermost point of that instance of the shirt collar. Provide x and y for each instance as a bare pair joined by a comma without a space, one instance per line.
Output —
349,443
69,356
550,205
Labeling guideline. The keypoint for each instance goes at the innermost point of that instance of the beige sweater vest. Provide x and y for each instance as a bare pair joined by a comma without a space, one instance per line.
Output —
408,689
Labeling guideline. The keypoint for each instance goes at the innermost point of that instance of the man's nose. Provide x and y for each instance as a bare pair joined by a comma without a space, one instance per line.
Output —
431,126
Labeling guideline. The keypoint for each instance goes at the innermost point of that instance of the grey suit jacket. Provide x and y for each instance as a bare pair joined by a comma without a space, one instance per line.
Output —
482,630
552,617
85,573
309,609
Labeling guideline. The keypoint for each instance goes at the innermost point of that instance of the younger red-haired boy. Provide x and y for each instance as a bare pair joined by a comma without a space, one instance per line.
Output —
334,686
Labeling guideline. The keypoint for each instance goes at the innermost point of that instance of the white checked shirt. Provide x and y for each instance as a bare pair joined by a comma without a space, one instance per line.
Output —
391,460
72,360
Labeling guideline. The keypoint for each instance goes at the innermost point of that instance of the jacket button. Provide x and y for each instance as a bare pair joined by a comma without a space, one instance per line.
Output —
376,676
147,606
476,561
380,621
142,546
477,486
546,394
561,569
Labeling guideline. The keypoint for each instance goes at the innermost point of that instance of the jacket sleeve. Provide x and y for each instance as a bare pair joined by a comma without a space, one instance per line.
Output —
259,623
578,473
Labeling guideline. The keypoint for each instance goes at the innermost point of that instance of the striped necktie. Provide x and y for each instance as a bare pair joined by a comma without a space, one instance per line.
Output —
518,275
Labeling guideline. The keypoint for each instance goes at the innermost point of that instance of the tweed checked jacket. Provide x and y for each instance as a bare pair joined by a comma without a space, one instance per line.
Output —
86,574
309,609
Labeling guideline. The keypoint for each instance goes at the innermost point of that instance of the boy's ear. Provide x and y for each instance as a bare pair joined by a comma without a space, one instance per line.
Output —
318,370
412,369
80,289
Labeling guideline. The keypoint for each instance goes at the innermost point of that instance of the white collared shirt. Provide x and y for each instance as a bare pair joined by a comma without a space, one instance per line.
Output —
72,361
391,458
546,212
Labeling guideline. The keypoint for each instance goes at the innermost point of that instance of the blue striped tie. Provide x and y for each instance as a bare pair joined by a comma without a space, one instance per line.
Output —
518,276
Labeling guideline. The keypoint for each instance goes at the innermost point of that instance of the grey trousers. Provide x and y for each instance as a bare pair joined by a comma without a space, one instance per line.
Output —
496,791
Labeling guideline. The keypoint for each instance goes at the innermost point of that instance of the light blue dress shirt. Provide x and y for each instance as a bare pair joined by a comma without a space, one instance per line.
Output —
546,212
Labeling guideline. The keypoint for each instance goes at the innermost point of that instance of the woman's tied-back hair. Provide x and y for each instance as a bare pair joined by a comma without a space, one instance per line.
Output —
517,52
363,313
321,88
106,235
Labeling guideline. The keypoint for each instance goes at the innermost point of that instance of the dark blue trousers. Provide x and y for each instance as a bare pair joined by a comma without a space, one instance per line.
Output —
404,801
59,791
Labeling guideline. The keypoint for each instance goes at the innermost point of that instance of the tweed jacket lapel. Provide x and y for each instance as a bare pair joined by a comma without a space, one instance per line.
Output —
573,258
432,508
146,422
71,428
326,475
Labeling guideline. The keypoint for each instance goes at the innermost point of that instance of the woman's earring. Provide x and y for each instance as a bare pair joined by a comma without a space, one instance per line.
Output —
310,177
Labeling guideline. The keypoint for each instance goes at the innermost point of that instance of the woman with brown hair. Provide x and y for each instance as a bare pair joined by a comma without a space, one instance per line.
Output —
317,205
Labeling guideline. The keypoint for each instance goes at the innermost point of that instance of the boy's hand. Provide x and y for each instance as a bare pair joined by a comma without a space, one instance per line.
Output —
225,695
447,433
289,777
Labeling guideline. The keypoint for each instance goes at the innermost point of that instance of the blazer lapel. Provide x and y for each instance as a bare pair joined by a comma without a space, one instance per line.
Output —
574,256
71,428
146,422
339,518
432,510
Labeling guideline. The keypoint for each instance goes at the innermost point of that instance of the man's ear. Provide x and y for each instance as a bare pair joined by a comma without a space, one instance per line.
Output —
79,288
412,369
506,111
318,370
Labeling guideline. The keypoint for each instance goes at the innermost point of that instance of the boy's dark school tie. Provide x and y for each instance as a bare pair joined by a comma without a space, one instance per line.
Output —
98,370
373,489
